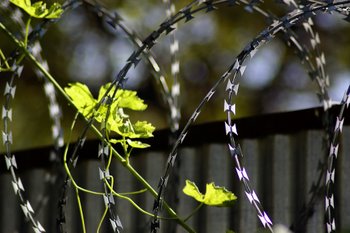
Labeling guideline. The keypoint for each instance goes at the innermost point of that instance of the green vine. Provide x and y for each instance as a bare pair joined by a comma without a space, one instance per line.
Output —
110,111
38,9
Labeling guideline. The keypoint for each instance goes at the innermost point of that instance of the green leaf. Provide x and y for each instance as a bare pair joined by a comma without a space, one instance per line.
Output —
117,121
137,144
116,124
123,98
143,129
129,99
214,195
115,141
218,196
38,9
192,190
82,98
103,90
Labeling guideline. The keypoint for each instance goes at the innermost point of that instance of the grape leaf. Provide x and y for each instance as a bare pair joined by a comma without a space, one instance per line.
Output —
115,141
123,98
214,195
137,144
143,129
117,121
81,97
129,99
192,190
38,9
103,90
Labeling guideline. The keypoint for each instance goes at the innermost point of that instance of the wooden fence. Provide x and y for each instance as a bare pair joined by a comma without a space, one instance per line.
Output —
283,155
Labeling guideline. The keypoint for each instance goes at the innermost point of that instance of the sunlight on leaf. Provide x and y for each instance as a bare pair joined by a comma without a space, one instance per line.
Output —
143,129
115,141
214,195
123,98
103,90
38,9
129,99
118,121
137,144
192,190
81,97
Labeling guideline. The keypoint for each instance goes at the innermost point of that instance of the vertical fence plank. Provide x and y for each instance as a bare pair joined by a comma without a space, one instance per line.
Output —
189,170
282,180
73,220
93,206
9,206
124,183
139,222
344,180
247,214
216,219
265,172
315,154
155,163
298,143
33,182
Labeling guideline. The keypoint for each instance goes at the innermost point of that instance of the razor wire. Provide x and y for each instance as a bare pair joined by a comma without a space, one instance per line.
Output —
150,41
238,67
54,110
116,21
209,94
175,115
7,116
232,88
330,176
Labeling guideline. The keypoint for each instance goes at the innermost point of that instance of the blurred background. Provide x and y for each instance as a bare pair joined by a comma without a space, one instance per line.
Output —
81,47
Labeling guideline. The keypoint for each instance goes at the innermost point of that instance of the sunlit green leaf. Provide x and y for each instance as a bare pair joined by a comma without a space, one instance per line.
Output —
124,129
118,121
38,9
129,99
123,98
81,97
137,144
218,196
103,90
192,190
115,141
115,124
214,195
143,129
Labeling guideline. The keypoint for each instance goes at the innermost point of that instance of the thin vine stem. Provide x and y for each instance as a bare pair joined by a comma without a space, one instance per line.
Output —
131,201
95,130
27,31
102,219
134,193
81,212
110,186
76,187
193,212
7,66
